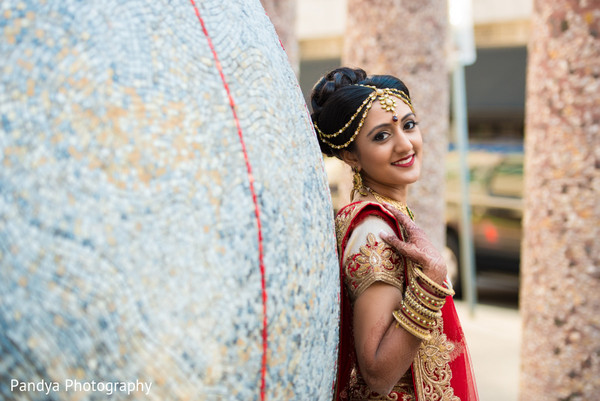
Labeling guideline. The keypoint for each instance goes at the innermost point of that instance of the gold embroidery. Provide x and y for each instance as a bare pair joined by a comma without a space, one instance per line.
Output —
431,368
402,391
375,262
343,221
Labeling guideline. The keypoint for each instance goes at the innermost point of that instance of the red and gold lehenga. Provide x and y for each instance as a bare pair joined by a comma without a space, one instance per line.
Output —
441,370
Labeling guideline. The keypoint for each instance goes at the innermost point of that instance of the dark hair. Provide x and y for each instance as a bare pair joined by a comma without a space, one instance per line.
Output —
337,96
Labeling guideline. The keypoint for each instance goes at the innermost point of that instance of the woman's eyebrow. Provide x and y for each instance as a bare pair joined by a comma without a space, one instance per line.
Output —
375,128
408,115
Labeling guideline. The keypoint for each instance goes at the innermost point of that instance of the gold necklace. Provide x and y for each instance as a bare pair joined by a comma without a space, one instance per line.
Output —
398,205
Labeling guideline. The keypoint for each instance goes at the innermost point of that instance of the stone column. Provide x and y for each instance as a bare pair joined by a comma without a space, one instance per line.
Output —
283,17
560,300
408,40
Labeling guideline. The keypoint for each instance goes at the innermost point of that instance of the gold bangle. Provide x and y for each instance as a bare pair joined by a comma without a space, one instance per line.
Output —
435,287
411,327
430,301
418,318
413,302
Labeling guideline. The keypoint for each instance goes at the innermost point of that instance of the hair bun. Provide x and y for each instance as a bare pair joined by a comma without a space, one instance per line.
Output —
333,81
346,76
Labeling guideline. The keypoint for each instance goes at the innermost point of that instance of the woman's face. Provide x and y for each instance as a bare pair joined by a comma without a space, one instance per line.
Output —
389,153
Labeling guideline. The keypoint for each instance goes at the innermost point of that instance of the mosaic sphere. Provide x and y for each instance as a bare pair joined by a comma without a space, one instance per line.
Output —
165,218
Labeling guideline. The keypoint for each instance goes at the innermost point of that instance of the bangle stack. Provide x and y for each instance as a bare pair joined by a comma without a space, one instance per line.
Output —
421,306
432,286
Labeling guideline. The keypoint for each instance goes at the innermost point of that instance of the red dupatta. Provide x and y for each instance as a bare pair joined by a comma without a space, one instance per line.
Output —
446,353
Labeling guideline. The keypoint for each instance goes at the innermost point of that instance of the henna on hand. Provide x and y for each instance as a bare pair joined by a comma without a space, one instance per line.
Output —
416,247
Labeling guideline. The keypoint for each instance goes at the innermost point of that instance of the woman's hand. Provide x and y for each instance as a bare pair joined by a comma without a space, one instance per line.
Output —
416,247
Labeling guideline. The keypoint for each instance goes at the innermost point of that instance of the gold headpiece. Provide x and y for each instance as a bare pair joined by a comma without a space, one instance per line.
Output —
387,101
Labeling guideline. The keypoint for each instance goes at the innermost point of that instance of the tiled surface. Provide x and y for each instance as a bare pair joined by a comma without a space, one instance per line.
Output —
128,233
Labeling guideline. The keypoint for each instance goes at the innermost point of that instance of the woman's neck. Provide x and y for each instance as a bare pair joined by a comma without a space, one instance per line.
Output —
397,193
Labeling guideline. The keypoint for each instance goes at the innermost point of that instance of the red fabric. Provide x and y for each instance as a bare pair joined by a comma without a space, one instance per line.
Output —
347,354
463,379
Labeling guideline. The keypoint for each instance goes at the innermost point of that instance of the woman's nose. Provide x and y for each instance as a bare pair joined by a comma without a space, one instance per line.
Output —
402,143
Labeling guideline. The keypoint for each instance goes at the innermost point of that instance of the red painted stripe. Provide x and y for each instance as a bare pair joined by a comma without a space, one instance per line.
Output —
263,369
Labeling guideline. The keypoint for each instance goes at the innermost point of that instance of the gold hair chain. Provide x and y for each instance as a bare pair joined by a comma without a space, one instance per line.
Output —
386,100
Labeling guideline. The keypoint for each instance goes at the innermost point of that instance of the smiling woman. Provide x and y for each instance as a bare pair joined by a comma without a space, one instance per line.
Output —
400,335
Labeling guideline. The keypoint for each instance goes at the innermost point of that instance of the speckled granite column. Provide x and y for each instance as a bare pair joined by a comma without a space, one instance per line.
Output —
560,295
283,16
408,39
164,213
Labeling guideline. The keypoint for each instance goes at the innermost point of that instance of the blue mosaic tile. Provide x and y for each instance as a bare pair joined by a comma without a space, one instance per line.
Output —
128,236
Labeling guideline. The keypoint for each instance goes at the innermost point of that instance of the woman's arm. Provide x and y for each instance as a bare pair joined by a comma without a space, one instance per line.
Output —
384,351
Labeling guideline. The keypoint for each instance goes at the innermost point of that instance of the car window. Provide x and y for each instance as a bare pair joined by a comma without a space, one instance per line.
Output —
507,179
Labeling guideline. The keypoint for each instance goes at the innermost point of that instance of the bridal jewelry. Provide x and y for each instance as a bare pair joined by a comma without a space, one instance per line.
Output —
387,100
357,183
398,205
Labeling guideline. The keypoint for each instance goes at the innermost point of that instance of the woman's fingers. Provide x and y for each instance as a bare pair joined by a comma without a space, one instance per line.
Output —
401,217
393,241
405,248
409,225
427,257
417,246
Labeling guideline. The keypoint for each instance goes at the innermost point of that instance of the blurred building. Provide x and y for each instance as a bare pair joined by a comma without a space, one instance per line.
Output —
495,83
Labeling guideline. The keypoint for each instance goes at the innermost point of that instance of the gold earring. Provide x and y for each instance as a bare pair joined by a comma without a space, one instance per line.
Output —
357,182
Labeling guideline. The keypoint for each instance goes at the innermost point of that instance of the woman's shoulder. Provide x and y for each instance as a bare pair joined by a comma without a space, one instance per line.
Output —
364,257
353,214
362,207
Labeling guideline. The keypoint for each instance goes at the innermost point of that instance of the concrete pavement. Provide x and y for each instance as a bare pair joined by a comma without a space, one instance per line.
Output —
494,337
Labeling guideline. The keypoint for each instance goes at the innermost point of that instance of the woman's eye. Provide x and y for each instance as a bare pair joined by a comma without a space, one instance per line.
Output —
380,136
410,125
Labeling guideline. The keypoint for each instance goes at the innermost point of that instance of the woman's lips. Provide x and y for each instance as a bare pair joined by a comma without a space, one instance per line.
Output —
405,162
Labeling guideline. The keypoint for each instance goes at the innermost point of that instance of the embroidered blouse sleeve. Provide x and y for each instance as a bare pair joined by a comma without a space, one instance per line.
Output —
368,259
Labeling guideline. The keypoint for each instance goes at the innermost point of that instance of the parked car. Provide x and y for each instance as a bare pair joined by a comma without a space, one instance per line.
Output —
496,196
